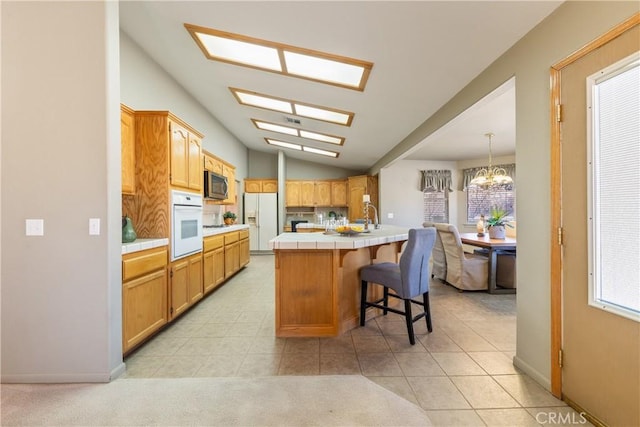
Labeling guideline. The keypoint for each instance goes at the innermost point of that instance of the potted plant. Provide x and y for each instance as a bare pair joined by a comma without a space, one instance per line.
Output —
229,217
496,223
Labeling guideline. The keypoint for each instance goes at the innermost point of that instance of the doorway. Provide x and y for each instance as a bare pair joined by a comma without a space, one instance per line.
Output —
594,354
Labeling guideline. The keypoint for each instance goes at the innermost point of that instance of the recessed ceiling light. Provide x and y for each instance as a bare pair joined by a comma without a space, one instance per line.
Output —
281,58
284,105
283,144
301,147
316,136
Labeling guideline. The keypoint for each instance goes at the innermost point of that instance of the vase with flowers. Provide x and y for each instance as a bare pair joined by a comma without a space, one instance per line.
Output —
496,223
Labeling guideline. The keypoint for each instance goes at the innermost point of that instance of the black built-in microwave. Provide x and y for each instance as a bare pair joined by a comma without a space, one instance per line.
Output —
215,186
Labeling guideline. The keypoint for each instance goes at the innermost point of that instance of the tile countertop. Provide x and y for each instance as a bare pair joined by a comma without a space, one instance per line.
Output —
142,244
211,231
319,240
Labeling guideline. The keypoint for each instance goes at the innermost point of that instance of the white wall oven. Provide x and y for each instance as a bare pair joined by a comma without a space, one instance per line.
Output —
186,225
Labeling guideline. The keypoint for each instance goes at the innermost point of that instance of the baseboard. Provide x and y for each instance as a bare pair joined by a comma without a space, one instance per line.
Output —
117,371
55,378
533,373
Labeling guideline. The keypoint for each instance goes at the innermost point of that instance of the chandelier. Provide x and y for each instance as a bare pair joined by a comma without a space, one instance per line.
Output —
491,176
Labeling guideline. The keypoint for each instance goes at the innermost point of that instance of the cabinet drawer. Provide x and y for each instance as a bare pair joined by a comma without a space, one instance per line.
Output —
213,242
139,263
231,237
244,234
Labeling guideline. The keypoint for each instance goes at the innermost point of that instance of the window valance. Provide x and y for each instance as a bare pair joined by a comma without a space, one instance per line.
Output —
436,181
469,174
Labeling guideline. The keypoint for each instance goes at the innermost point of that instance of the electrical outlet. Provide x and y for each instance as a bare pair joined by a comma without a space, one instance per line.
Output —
94,226
34,227
390,215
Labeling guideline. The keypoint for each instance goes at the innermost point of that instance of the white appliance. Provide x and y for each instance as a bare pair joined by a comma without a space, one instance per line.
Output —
261,214
186,224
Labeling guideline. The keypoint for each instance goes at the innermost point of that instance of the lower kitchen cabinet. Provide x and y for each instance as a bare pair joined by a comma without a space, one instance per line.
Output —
144,295
185,284
213,262
244,248
231,253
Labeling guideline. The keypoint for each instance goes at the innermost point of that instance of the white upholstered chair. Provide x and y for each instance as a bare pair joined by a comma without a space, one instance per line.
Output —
439,261
465,271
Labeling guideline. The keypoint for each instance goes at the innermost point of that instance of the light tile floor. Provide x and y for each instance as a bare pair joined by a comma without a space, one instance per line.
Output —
461,374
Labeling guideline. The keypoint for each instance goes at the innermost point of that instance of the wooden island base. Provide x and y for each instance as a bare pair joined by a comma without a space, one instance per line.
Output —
318,290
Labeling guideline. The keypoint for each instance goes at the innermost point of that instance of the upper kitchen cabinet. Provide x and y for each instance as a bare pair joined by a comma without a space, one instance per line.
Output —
128,149
255,185
358,187
339,193
221,167
323,193
186,151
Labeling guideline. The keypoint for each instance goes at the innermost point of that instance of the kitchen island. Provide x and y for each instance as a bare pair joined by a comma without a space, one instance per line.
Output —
318,280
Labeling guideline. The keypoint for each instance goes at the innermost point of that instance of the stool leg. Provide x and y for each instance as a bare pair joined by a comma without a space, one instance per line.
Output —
385,300
363,301
409,318
427,311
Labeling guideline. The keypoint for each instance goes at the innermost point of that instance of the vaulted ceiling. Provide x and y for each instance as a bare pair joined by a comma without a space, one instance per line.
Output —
423,53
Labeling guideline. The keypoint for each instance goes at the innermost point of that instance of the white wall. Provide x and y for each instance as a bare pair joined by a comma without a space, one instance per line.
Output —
61,292
570,27
300,169
399,188
146,86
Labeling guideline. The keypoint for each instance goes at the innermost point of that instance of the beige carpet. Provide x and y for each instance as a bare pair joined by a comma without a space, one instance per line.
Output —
350,400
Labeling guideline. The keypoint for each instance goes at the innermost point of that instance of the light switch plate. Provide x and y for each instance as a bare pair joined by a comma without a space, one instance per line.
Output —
390,215
94,226
34,227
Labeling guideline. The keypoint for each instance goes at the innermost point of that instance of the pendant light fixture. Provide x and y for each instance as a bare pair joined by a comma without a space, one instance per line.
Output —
491,176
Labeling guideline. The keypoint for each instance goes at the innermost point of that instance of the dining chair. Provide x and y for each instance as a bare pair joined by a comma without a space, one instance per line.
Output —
438,259
408,279
465,271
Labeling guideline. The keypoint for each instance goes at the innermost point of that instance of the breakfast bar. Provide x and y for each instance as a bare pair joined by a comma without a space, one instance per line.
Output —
317,278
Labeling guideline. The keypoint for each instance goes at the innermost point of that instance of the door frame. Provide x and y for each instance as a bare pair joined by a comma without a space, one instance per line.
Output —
556,195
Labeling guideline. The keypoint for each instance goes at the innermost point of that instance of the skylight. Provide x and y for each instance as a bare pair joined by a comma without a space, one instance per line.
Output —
280,58
293,107
301,148
316,136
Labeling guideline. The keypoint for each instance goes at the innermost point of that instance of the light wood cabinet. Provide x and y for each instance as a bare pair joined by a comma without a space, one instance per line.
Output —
339,193
323,193
213,262
185,284
144,295
244,248
128,150
186,168
293,193
212,164
358,187
231,253
230,173
254,185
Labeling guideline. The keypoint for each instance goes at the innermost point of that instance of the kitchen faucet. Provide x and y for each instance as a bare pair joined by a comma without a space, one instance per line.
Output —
376,225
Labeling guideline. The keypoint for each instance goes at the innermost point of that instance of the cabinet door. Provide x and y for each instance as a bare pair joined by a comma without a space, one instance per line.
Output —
356,206
230,173
231,259
339,193
179,155
322,193
218,266
270,186
179,287
144,307
195,278
194,163
252,186
307,193
244,252
208,281
292,193
128,152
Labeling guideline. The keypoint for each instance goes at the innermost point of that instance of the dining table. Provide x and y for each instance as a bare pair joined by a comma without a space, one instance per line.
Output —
495,247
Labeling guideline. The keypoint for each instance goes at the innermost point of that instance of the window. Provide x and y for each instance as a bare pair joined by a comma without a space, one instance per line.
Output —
614,192
435,186
436,206
481,200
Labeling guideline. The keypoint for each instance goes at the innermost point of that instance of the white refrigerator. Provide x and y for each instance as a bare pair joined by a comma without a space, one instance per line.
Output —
261,213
